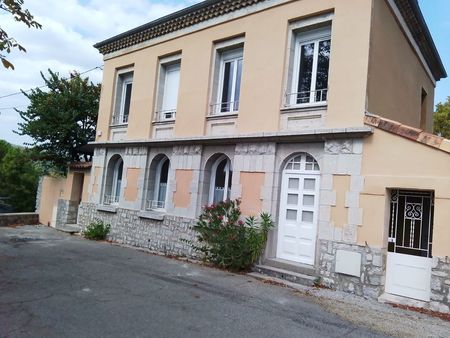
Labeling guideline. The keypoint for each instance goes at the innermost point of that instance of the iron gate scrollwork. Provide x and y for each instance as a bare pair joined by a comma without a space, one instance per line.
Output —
411,222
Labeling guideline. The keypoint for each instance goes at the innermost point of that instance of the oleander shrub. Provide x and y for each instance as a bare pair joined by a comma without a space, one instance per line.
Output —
227,240
96,230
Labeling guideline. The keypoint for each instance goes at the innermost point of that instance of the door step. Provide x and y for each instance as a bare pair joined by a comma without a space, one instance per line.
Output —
293,277
70,228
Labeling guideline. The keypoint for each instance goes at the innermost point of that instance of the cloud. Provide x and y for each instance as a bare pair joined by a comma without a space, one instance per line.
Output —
65,43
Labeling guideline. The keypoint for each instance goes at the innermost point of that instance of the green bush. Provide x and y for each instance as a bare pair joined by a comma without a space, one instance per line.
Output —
226,240
96,230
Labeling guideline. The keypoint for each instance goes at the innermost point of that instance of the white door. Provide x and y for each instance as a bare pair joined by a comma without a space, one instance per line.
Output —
408,266
297,221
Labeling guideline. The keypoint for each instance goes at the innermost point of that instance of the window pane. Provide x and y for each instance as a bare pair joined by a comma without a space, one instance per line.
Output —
227,85
292,199
307,216
309,184
237,90
171,84
126,106
220,174
308,200
293,183
305,73
323,63
291,215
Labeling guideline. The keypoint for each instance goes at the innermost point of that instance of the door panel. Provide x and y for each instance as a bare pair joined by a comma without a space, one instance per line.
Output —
408,276
298,217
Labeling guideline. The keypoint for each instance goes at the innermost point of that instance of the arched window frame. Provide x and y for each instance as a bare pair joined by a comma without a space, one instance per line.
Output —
160,204
228,170
306,165
113,195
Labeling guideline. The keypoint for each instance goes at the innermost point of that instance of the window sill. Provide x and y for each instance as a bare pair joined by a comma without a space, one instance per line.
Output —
304,108
154,215
157,123
119,125
221,116
107,208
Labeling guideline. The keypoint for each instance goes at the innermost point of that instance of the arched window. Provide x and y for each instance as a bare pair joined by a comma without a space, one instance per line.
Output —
157,183
113,180
302,163
220,183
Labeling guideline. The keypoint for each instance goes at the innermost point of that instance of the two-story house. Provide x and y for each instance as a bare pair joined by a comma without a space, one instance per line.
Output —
317,111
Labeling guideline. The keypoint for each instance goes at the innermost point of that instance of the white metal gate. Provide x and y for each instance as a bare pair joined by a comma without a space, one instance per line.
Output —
408,270
299,200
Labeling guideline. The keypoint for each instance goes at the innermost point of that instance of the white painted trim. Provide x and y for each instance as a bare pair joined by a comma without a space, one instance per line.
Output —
115,180
411,40
200,26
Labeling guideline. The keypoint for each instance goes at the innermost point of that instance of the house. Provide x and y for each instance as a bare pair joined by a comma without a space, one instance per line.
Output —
317,111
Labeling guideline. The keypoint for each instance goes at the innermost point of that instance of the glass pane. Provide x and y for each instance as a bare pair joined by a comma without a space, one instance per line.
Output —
309,184
296,166
308,200
305,73
162,195
220,174
227,85
292,199
291,215
170,94
307,216
218,195
237,88
293,183
308,166
126,106
323,63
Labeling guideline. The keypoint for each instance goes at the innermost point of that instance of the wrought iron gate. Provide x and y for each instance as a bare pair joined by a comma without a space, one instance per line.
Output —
411,222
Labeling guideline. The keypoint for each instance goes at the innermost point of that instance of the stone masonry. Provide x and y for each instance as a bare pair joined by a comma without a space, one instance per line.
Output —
67,213
131,227
440,285
369,284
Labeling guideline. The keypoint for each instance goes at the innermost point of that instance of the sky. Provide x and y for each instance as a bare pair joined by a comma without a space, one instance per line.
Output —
70,28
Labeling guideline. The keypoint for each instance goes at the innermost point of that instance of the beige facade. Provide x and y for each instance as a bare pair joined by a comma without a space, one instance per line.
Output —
345,151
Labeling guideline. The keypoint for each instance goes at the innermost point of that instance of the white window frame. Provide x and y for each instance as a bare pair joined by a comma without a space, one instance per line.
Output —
118,117
299,35
228,169
164,63
158,182
225,51
113,197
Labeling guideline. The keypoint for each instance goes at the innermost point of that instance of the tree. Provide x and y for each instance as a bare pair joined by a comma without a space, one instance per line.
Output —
61,119
8,43
442,119
19,177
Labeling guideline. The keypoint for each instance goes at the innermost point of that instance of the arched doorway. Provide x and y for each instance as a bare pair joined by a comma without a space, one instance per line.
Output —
299,206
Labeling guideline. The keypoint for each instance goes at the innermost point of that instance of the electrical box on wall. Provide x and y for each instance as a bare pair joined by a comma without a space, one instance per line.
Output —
348,262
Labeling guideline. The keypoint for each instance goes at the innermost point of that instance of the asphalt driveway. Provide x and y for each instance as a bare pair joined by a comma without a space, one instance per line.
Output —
56,285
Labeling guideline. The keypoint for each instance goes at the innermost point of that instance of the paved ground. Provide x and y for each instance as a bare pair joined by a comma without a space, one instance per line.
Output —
56,285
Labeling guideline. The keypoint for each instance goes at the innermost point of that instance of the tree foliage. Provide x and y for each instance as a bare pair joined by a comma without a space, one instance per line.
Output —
442,119
19,176
61,119
7,43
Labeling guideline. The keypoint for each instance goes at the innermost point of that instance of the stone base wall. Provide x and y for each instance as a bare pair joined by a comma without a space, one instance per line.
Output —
67,213
369,284
440,285
19,218
128,227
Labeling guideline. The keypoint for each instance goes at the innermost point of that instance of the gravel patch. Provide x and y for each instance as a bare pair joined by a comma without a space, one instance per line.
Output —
368,313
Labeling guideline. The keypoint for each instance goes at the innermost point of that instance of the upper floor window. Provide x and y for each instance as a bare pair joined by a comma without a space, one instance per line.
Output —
228,80
168,84
309,78
124,88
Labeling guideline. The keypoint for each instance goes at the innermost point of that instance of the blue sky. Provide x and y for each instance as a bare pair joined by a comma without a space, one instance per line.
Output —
437,16
71,27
